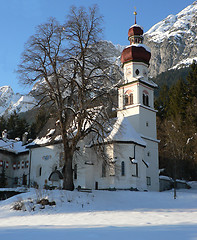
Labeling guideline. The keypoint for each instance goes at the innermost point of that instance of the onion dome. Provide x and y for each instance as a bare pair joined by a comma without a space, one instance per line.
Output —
135,32
136,51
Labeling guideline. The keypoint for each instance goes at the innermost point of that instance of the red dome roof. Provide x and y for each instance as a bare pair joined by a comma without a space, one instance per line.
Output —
135,30
136,54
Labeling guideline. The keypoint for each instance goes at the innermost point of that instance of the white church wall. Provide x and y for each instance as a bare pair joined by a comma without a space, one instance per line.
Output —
142,119
43,162
118,153
130,71
84,159
132,112
147,122
151,157
103,179
135,170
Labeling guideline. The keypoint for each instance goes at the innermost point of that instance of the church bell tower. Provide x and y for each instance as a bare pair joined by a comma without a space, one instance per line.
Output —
136,99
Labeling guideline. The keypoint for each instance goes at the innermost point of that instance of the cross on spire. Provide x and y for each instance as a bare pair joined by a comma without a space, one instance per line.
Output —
135,13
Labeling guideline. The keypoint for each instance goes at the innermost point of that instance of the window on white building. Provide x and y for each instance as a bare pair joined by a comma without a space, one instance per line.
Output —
104,166
148,181
26,164
128,99
135,169
75,171
145,98
38,171
137,72
122,168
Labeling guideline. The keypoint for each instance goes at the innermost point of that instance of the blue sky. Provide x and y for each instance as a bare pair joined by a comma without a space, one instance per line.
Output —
19,18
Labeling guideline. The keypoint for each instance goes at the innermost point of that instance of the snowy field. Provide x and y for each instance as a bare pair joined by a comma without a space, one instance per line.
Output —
101,215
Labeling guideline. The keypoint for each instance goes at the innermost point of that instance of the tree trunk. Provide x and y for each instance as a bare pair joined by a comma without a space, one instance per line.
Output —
68,172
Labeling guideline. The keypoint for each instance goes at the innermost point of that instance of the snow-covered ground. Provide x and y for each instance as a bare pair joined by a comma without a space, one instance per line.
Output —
101,215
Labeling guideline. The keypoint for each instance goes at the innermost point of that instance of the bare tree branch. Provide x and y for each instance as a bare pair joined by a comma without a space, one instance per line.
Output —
74,76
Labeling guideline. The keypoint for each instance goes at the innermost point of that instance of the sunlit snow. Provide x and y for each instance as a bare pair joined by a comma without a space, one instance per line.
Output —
101,215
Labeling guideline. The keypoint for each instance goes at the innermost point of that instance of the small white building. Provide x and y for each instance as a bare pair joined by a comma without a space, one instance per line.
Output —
14,159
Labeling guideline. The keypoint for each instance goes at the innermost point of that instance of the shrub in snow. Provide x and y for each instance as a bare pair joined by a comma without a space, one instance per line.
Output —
30,205
19,205
45,202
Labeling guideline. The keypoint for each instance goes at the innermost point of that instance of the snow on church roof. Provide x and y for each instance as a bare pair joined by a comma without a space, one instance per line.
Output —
13,146
124,132
121,130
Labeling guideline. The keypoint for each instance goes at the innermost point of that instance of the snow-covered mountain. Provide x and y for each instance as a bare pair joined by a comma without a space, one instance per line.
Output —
9,101
173,41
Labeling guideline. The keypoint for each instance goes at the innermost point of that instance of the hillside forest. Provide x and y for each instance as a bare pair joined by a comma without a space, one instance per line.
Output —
177,127
17,124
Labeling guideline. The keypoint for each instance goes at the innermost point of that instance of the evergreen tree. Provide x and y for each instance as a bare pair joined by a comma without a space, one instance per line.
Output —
3,124
40,121
162,102
177,126
192,82
16,126
32,131
177,99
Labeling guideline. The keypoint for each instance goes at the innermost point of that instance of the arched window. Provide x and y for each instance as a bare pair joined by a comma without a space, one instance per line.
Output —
75,171
128,98
104,169
122,168
39,171
145,98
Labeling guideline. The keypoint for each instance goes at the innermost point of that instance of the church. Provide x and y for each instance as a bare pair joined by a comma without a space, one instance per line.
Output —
131,146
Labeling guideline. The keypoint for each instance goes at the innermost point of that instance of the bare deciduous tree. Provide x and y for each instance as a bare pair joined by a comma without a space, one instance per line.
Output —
74,77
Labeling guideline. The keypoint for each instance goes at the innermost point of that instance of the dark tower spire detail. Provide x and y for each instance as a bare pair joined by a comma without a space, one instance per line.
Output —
135,13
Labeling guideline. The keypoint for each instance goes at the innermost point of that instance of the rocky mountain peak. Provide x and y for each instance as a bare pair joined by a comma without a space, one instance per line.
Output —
9,101
173,40
6,94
